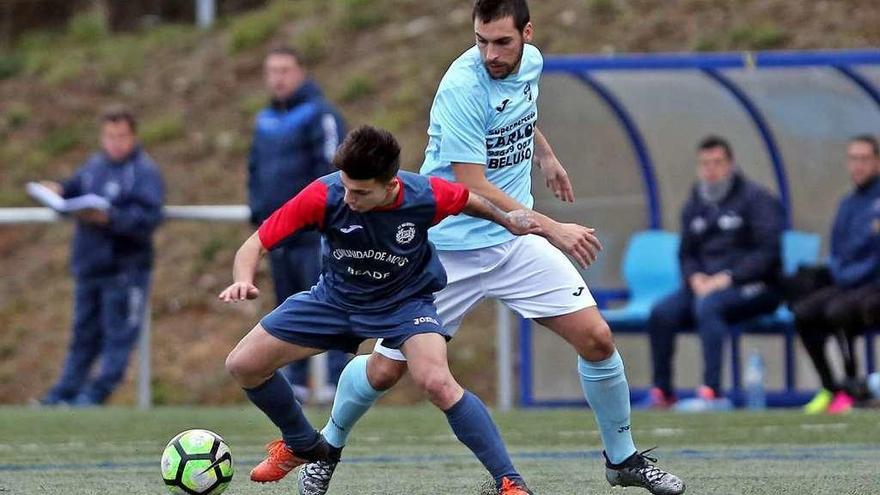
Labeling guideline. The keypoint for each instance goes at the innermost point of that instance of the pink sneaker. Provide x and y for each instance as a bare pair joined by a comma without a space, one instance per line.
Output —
706,393
656,399
841,404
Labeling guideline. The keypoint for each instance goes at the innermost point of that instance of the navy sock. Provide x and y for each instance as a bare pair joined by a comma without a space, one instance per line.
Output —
275,398
473,427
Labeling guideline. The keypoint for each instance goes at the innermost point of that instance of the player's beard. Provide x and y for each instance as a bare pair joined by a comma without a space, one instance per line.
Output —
509,68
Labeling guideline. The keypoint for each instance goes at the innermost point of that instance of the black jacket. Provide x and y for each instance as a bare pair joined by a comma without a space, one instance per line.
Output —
741,234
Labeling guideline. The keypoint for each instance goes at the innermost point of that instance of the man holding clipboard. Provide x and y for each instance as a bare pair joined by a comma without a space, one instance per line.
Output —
116,199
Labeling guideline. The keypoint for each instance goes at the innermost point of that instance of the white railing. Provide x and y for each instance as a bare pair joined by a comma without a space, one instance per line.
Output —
318,367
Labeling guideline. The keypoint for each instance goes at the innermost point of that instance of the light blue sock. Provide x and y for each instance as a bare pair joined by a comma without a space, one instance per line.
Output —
605,387
354,397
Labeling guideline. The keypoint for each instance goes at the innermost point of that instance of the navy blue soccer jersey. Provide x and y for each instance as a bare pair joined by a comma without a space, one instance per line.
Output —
376,259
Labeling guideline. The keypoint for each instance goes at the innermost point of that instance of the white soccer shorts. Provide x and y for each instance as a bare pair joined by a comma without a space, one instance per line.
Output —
528,274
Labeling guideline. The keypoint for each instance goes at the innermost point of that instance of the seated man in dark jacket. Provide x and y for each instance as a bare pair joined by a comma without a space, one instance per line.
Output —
730,264
850,303
111,261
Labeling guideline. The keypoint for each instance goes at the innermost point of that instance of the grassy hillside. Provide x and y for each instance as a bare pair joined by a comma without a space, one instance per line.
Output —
197,92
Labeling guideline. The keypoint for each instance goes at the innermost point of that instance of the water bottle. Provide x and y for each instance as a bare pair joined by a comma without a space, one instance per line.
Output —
756,398
873,383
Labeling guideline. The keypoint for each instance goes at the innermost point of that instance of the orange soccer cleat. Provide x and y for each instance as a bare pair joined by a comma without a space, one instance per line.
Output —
510,487
281,460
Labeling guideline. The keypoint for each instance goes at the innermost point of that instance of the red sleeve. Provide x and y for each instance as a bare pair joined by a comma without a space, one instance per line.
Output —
450,198
303,211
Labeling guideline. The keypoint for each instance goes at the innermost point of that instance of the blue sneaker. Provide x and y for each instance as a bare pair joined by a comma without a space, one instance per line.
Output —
84,400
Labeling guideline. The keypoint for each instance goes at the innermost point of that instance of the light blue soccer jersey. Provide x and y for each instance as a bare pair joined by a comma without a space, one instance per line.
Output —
477,119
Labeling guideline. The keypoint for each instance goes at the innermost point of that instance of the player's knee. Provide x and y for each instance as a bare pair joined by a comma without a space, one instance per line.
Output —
383,373
600,342
233,364
438,385
241,368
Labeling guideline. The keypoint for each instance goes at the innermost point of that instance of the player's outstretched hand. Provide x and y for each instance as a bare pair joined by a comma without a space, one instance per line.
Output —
557,179
577,241
522,222
239,291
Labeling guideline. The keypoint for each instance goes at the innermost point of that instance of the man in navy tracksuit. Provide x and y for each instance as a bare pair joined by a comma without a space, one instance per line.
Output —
730,264
850,303
294,142
111,261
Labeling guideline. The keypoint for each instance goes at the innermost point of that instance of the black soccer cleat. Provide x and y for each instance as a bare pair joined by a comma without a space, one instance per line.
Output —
314,477
639,470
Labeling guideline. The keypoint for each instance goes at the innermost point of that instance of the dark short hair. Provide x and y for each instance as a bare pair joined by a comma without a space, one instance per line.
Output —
868,139
369,153
286,50
119,113
713,141
492,10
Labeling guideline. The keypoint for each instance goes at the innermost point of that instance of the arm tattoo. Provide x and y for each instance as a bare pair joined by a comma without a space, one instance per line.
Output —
491,211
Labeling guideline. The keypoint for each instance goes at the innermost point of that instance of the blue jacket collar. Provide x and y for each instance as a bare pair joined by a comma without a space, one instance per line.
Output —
869,186
308,91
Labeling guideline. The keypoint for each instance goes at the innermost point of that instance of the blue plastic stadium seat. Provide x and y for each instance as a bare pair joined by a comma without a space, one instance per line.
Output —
650,270
799,248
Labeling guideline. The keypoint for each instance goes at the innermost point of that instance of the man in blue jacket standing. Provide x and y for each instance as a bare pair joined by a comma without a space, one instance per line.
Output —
730,266
295,139
848,304
111,260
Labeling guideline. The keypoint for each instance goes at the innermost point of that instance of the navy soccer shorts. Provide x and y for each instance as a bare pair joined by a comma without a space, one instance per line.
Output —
310,319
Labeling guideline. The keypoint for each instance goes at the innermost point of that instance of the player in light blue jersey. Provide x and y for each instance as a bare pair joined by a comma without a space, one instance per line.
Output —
483,133
489,122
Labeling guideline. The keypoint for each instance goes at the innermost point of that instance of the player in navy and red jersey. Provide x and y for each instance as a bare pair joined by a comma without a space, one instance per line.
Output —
379,275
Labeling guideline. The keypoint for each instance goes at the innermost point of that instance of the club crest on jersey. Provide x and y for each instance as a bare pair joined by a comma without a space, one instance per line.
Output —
406,232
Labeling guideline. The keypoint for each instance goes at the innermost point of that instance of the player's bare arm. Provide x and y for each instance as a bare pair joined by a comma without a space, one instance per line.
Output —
576,240
554,174
244,270
519,222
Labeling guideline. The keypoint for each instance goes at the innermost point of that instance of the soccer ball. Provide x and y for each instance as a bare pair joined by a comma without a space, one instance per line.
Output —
197,462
